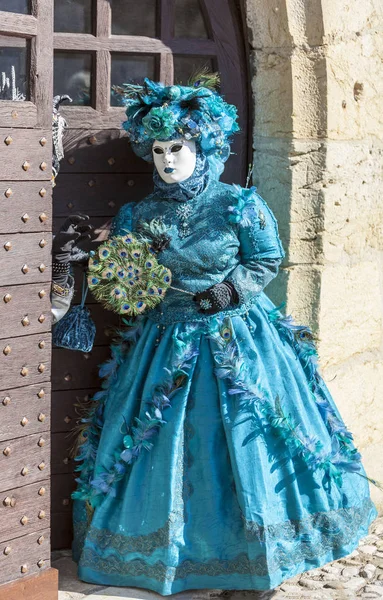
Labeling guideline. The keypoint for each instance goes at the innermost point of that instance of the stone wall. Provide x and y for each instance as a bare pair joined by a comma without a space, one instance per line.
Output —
317,80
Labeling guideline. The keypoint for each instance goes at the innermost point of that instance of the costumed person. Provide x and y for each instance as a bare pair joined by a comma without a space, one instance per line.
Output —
214,456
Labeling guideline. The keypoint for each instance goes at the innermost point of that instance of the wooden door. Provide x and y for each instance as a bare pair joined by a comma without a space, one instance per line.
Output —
25,274
97,44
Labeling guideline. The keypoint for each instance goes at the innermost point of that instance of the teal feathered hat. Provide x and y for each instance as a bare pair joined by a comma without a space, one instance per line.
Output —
196,111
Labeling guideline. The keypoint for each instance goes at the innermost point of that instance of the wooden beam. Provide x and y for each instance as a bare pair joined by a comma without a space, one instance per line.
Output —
104,18
15,24
166,68
43,586
132,43
167,20
43,64
101,85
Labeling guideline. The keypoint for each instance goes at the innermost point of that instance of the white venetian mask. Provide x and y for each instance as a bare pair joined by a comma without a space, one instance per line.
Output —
175,160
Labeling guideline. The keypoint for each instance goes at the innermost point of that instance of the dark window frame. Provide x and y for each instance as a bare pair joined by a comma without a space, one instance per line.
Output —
38,28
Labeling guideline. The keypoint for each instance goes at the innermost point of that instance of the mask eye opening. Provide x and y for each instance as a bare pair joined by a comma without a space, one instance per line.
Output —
158,150
176,147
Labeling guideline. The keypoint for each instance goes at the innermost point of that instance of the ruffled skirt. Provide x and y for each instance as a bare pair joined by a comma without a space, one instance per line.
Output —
214,457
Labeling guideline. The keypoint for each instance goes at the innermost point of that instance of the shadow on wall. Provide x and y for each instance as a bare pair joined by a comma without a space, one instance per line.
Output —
288,72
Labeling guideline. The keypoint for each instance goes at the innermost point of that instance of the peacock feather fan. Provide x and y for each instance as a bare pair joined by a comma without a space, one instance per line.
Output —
125,276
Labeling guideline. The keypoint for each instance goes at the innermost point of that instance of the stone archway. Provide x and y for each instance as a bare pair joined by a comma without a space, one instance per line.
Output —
318,143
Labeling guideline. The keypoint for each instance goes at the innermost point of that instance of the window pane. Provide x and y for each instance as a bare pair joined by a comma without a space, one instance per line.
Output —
14,82
134,17
130,68
73,16
73,76
16,6
189,20
186,66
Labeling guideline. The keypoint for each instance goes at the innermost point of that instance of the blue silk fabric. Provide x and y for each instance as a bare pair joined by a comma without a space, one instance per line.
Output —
220,501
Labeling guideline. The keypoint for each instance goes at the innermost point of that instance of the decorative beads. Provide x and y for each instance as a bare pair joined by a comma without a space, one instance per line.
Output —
245,318
7,298
60,267
184,212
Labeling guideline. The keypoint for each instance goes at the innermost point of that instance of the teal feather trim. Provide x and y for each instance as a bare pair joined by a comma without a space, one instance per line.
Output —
92,415
232,367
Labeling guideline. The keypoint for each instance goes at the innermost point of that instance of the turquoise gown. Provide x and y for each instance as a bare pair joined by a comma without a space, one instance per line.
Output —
214,456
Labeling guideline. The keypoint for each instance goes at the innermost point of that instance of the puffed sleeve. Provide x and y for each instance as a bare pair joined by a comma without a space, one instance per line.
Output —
122,222
260,249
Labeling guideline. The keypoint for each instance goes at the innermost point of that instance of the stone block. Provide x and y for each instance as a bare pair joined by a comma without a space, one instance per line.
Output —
268,24
349,19
354,90
356,386
272,92
350,311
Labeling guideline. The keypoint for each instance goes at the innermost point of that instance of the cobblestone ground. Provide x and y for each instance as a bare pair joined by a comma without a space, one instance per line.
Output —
358,575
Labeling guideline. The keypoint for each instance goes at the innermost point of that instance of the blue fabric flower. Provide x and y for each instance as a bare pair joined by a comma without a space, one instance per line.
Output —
160,123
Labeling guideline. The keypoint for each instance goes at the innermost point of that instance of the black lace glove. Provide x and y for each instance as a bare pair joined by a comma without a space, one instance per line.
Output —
216,298
64,248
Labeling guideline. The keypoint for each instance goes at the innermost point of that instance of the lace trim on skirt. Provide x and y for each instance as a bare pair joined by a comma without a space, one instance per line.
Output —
295,541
